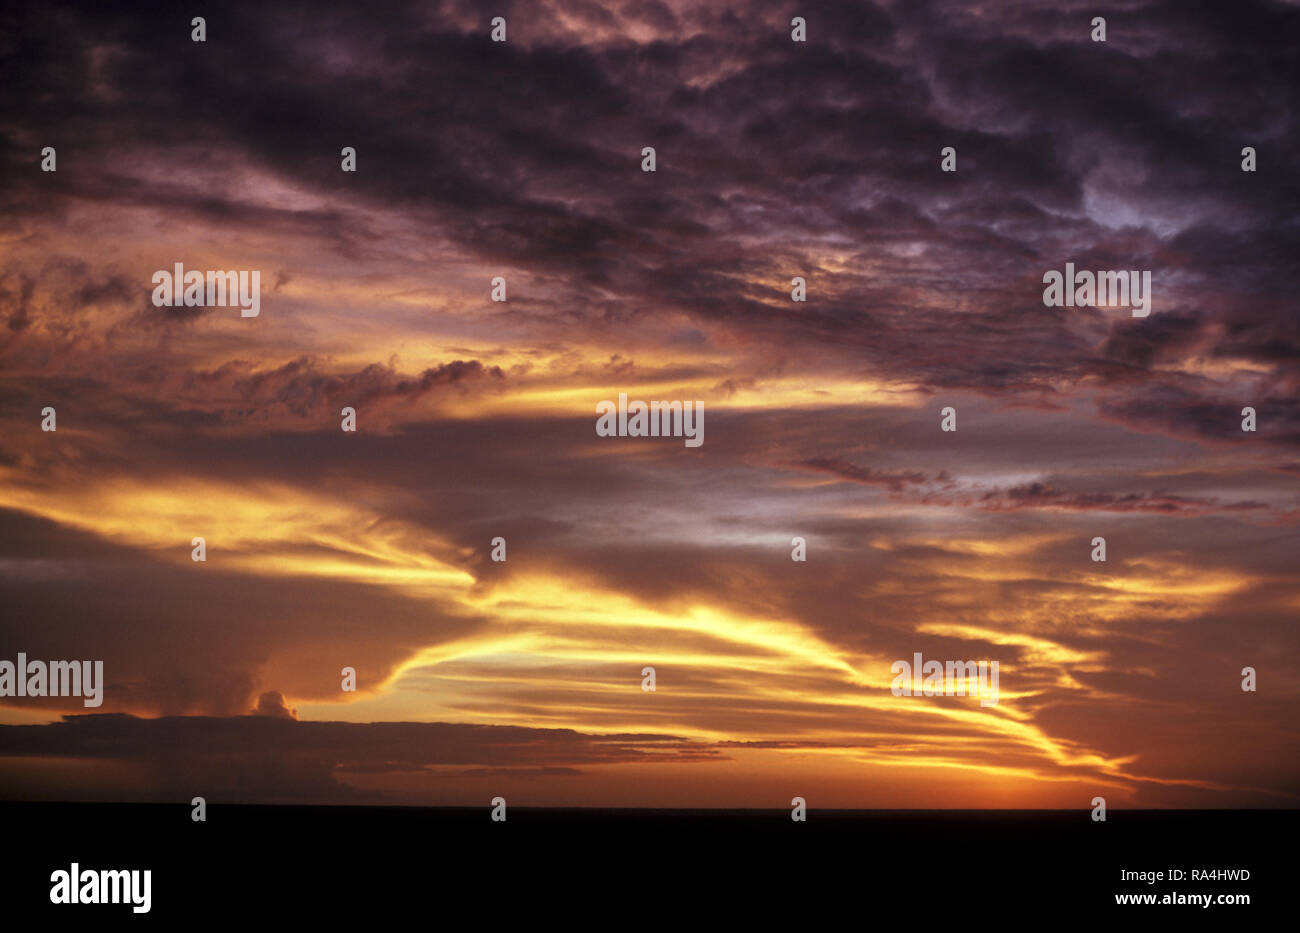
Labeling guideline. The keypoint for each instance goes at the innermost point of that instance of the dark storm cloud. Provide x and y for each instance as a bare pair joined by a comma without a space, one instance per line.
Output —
525,153
300,387
399,743
271,756
1028,495
15,302
857,474
1175,406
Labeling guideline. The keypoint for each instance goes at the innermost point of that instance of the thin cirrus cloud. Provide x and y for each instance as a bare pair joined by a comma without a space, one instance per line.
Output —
475,418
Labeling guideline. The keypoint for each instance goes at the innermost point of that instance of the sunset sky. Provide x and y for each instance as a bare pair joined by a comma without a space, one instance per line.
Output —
476,418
